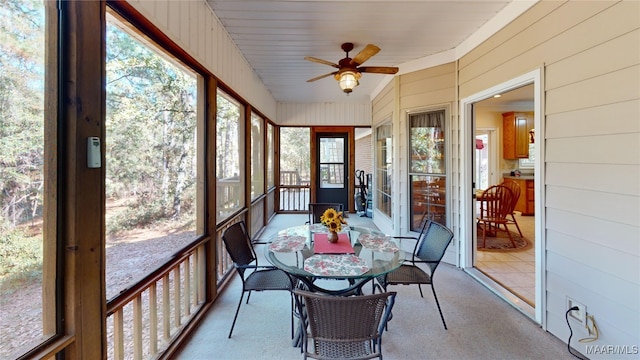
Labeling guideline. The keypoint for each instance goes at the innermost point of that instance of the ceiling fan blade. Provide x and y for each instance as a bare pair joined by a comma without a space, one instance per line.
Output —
322,76
379,69
365,54
311,58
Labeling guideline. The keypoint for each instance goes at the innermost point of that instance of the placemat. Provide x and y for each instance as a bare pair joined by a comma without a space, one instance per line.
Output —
322,246
335,265
380,243
288,243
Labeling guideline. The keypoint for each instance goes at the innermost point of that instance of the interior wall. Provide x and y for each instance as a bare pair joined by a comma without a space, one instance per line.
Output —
486,118
592,158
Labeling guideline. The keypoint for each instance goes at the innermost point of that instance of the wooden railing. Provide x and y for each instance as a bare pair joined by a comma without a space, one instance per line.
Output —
142,322
294,197
294,192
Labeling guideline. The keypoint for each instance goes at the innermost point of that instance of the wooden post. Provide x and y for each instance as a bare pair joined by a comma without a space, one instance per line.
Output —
83,115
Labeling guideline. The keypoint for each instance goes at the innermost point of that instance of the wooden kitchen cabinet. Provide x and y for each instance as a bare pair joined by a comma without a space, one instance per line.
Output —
526,202
515,139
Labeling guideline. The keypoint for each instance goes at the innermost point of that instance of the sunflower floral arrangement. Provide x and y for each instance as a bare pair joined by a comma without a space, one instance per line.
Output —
332,220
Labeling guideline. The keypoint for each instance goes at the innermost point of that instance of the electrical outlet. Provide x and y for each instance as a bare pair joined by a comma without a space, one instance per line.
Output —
579,315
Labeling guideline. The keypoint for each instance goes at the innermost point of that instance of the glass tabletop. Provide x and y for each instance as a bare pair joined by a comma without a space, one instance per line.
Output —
361,253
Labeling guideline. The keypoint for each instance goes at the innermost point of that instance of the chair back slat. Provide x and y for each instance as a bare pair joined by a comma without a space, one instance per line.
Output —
317,209
346,327
496,203
238,244
515,192
435,239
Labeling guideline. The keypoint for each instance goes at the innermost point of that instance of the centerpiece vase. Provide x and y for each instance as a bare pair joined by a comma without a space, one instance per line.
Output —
332,237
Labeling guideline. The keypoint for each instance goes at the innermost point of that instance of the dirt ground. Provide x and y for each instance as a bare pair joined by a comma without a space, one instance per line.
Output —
129,257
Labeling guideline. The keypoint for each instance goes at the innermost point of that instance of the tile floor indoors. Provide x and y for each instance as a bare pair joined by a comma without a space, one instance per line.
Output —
513,270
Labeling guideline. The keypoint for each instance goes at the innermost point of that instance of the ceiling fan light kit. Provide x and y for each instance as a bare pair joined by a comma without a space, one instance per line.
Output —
348,80
349,72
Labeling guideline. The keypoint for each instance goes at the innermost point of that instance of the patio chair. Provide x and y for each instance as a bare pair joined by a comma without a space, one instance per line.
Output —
495,205
343,327
515,192
254,277
317,209
429,250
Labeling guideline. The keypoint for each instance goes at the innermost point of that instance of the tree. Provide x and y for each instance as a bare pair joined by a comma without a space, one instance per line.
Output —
151,127
21,110
294,150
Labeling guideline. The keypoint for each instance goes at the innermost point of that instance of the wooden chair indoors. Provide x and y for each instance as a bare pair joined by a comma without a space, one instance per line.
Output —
254,277
429,250
317,209
515,191
343,327
495,207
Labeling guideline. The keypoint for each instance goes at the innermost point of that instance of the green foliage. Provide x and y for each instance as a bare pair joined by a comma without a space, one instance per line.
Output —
20,257
151,127
227,138
294,150
21,109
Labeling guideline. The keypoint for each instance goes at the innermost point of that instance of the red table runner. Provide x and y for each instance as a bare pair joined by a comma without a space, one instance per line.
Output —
322,246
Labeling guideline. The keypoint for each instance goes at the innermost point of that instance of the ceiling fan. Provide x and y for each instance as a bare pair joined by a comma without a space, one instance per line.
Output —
349,70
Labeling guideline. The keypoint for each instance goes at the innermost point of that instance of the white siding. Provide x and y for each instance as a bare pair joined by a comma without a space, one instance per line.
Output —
384,109
591,57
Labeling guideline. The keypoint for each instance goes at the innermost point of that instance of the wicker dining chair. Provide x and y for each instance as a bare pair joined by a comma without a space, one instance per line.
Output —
343,327
429,250
254,277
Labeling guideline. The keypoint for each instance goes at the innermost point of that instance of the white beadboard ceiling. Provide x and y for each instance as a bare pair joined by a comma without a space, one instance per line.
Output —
275,36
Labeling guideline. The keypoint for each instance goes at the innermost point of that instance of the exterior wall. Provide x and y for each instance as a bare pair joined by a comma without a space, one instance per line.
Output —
384,109
590,53
427,89
383,105
314,114
364,155
194,26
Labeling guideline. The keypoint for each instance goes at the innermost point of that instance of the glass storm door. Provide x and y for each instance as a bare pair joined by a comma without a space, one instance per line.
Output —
333,169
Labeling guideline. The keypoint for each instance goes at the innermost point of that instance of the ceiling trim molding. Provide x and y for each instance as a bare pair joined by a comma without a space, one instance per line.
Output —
505,16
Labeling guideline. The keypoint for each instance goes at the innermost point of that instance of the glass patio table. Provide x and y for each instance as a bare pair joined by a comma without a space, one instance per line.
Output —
360,255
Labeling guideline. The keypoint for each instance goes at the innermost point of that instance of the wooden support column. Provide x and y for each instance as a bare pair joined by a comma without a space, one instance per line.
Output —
83,114
211,184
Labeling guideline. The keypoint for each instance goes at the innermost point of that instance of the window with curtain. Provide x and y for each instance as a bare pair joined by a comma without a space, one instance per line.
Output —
384,169
151,156
28,63
427,172
229,155
257,156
